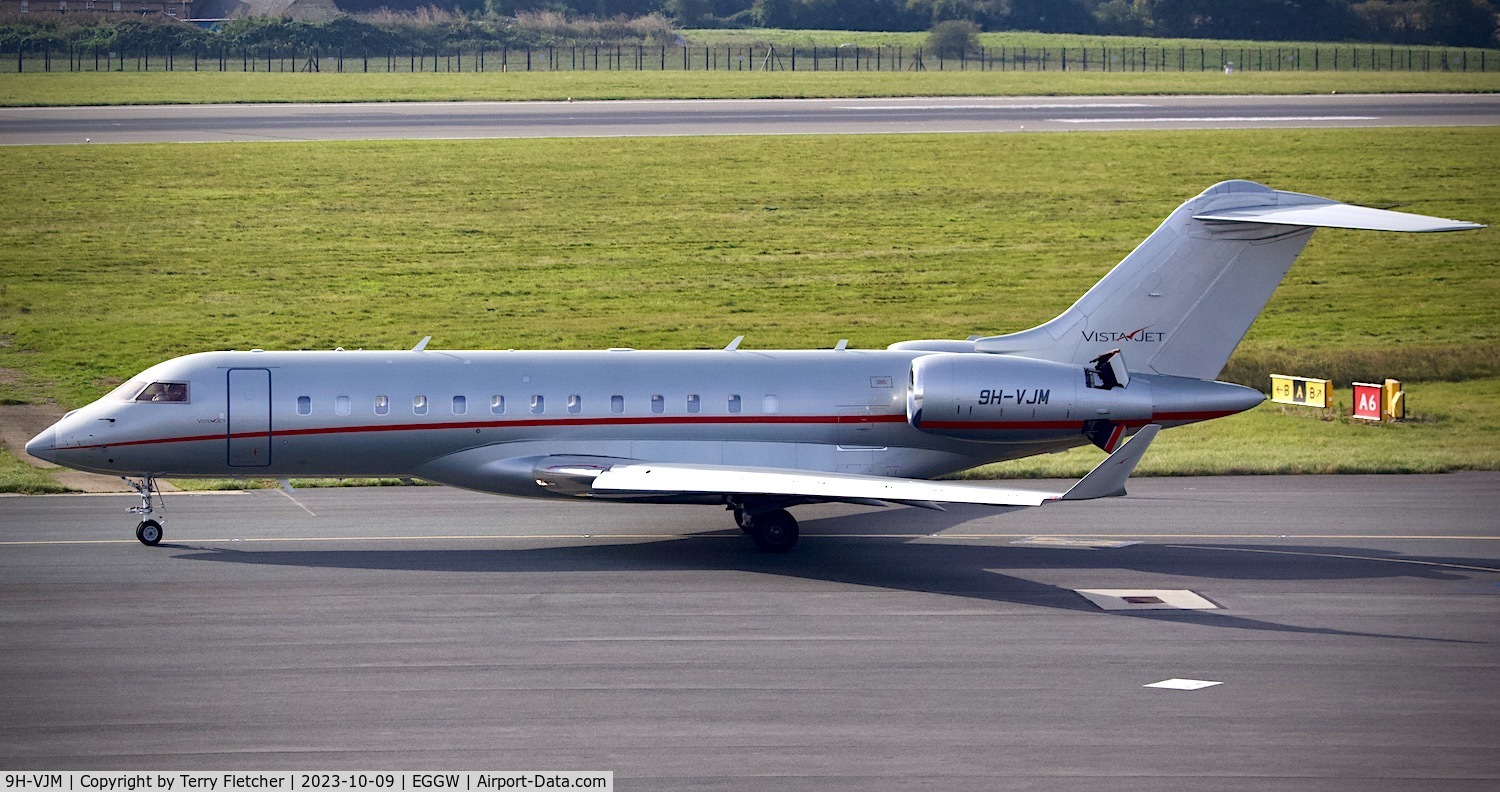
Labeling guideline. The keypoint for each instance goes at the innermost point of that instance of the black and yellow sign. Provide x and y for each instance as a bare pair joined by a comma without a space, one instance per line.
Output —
1301,390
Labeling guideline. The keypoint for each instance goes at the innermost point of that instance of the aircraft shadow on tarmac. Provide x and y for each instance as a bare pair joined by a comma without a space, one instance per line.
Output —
850,550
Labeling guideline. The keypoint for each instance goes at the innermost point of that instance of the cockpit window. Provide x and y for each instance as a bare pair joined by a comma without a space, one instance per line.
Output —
163,392
127,391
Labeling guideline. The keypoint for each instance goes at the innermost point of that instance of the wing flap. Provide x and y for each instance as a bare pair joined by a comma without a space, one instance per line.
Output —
1105,480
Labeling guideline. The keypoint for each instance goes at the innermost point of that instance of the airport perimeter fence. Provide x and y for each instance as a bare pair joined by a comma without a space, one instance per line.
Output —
47,58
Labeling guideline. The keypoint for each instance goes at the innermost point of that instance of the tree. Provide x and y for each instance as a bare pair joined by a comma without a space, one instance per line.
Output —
953,39
688,13
1460,23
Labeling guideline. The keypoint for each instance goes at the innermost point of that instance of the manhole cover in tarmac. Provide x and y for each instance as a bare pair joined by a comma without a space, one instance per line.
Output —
1146,599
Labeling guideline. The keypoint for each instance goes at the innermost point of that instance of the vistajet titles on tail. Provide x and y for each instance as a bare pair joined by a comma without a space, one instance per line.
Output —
751,430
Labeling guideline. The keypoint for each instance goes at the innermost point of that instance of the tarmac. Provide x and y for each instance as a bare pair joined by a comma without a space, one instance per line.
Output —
1352,637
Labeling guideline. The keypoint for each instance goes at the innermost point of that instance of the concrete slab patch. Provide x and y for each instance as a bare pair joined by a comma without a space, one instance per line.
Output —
1072,542
1146,599
1182,684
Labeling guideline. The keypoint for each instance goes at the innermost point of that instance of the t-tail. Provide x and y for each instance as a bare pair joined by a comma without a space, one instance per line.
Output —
1181,302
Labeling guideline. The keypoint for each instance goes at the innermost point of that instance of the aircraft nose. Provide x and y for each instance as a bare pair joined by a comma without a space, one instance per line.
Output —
44,445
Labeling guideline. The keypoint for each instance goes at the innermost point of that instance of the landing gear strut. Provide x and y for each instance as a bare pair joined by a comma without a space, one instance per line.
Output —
149,530
774,531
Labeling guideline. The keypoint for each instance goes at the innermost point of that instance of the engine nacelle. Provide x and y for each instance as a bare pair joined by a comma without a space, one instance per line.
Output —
1000,398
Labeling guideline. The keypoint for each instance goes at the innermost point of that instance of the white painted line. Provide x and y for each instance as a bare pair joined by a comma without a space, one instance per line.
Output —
1183,684
1208,120
1146,599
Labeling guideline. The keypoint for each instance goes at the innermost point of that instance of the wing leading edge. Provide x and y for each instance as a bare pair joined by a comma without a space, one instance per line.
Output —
1107,479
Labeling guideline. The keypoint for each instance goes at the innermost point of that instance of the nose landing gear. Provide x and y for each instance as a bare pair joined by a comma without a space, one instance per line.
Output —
149,530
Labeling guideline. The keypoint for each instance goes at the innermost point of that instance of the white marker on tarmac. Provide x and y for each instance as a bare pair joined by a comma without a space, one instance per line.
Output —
1183,684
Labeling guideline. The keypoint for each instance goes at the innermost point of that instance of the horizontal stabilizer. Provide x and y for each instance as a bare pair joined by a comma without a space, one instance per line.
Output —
1339,215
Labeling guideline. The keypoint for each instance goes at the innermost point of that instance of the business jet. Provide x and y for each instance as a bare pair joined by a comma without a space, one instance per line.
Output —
756,432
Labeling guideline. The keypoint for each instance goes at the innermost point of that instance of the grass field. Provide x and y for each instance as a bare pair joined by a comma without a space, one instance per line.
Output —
184,87
114,258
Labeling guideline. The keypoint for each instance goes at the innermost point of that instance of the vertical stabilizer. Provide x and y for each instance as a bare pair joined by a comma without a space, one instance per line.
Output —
1180,302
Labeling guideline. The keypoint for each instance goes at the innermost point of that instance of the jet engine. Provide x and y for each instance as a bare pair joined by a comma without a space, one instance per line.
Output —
1003,399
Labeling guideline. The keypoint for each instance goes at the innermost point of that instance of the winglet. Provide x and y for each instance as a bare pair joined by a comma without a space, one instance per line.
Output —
421,345
1107,479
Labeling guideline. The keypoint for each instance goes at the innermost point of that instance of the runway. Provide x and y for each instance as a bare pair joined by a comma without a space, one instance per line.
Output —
427,628
436,120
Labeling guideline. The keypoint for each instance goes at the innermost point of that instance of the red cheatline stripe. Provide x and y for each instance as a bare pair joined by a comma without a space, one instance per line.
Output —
1024,425
524,424
654,421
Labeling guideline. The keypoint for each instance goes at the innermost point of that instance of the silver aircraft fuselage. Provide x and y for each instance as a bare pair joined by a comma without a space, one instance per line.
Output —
480,419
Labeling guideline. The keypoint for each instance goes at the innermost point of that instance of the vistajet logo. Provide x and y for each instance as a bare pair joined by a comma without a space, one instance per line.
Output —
1142,335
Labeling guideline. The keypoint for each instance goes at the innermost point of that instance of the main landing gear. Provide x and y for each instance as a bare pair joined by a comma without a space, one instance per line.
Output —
774,530
149,529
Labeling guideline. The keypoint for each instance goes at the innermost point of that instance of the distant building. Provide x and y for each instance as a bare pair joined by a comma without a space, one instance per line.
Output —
177,9
303,10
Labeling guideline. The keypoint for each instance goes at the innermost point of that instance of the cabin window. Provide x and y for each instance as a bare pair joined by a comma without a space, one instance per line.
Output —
693,403
342,405
769,405
163,392
304,405
382,405
734,403
419,405
575,404
460,405
497,405
658,404
538,405
617,404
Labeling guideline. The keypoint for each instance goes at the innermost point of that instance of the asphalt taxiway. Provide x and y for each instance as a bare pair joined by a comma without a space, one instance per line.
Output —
457,120
426,628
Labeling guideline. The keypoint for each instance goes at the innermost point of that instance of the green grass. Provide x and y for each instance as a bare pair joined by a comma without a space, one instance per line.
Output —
96,88
17,476
113,258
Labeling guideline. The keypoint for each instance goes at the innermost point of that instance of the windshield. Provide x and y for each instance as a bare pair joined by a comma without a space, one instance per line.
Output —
163,392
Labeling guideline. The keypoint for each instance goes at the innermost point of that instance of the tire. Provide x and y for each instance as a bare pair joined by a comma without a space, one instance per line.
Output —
775,531
149,532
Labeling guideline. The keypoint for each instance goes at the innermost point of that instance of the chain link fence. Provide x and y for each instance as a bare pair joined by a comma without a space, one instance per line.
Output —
47,58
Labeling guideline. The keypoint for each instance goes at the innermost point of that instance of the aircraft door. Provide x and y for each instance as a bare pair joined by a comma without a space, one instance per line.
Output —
249,417
859,428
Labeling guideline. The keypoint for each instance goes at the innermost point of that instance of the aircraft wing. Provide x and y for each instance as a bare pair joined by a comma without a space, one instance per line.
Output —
1105,480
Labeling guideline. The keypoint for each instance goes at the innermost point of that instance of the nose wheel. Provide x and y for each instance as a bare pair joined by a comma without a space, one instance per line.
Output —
148,531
